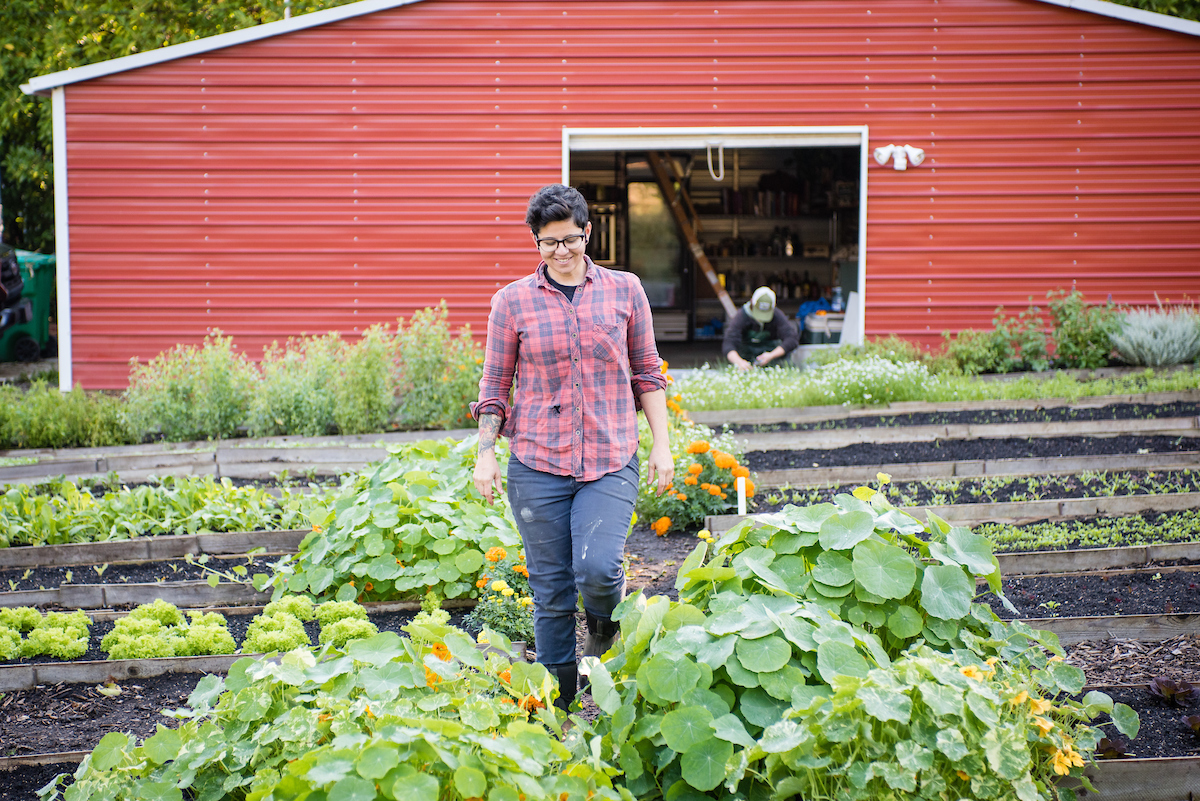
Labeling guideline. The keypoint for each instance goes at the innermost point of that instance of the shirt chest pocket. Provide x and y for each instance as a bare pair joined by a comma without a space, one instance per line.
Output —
609,341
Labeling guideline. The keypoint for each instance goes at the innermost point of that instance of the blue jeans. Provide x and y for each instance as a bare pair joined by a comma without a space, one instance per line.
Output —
574,535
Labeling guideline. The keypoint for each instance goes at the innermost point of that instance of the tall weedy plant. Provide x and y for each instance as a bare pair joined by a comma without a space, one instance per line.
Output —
439,371
1082,333
297,392
192,392
364,394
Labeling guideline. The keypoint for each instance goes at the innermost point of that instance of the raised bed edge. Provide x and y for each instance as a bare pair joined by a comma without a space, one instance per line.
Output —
150,547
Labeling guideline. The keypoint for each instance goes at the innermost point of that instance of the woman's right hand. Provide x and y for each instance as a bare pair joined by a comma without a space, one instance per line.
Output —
487,475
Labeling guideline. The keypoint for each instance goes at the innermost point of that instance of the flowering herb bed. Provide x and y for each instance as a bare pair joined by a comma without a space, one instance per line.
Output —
952,450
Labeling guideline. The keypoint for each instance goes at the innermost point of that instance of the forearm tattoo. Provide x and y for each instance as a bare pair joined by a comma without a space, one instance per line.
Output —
489,429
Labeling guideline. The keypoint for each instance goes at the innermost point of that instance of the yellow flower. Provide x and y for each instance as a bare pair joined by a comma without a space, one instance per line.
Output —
962,774
883,478
863,493
499,585
703,533
972,672
1055,658
482,639
1021,698
991,661
1064,760
1045,724
508,592
1038,706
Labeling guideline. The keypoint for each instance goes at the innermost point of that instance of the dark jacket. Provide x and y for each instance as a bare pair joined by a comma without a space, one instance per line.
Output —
739,329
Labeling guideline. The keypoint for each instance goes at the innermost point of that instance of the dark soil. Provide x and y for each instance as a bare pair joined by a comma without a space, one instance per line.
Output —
1162,733
23,783
48,578
1173,592
954,450
238,624
1119,411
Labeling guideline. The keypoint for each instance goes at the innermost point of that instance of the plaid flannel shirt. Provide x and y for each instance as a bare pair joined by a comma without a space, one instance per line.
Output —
581,367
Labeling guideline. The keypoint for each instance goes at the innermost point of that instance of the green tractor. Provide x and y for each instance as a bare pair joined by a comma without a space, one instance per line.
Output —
26,287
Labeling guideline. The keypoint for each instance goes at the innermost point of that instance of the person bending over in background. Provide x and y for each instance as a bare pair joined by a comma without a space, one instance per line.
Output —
580,341
759,333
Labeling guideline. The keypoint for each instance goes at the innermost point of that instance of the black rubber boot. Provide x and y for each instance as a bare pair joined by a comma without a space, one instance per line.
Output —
568,683
602,633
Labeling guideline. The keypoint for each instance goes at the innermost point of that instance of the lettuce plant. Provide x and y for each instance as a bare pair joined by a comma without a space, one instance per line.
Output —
343,631
331,612
10,644
159,629
298,606
277,632
1174,693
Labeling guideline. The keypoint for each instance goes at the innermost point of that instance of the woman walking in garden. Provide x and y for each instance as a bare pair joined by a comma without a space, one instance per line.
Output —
579,340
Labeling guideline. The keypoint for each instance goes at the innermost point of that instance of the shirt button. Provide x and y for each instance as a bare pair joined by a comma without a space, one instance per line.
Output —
572,335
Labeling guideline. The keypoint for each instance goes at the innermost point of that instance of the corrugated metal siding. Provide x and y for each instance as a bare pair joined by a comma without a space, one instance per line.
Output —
343,175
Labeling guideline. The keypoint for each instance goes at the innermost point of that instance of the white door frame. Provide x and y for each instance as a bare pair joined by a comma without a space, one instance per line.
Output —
702,138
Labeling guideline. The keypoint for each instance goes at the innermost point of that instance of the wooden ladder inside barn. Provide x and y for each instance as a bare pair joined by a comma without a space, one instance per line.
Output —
686,219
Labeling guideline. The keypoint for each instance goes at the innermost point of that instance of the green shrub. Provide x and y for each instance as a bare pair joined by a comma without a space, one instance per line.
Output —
191,393
1026,339
439,372
296,394
277,632
1158,337
343,631
1082,333
44,417
973,352
364,390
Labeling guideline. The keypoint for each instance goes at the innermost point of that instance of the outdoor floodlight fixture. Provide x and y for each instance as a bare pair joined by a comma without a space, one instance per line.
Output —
902,154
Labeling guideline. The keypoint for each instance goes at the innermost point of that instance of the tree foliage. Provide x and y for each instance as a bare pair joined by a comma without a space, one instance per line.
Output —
43,36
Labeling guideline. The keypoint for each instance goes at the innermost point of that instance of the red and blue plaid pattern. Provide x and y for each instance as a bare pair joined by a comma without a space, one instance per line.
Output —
579,370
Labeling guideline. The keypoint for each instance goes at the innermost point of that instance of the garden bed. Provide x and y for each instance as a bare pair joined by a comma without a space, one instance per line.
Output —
161,546
156,571
1156,590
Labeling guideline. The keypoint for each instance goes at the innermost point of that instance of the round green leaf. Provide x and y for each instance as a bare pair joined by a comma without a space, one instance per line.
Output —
418,787
946,592
671,678
739,675
470,782
164,745
109,750
352,788
764,655
971,550
685,727
838,659
905,622
761,709
843,532
884,570
468,561
704,764
834,569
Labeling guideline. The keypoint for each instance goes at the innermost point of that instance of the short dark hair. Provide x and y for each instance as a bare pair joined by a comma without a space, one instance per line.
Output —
555,202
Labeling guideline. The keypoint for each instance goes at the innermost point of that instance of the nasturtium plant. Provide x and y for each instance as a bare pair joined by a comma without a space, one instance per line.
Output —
834,652
412,524
425,717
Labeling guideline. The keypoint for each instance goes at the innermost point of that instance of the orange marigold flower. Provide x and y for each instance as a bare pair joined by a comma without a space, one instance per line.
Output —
505,676
431,678
705,486
507,701
530,703
714,490
724,496
521,570
741,472
749,488
681,497
663,369
661,525
496,554
482,582
695,468
724,460
441,651
699,446
691,481
725,485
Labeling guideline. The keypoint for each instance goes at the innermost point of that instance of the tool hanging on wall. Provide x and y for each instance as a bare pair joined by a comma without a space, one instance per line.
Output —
677,199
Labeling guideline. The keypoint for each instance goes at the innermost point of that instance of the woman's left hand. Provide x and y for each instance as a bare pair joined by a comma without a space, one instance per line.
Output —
661,466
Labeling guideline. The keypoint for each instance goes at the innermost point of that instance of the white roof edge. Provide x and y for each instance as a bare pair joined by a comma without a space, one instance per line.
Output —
1131,14
42,84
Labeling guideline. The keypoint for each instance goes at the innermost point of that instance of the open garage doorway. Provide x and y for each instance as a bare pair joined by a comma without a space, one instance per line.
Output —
705,216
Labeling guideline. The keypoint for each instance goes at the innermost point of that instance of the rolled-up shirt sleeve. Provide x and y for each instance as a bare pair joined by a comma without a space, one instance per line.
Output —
499,362
645,367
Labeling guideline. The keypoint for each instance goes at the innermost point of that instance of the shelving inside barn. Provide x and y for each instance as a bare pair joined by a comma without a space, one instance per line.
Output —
784,217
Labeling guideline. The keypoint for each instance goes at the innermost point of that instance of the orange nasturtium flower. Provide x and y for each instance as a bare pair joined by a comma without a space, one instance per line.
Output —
699,446
530,703
661,525
441,651
695,468
505,676
431,678
496,554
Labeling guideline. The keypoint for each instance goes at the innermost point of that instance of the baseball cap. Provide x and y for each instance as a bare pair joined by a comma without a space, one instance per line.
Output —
762,304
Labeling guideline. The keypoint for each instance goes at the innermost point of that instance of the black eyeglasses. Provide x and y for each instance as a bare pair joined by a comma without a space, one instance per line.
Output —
550,245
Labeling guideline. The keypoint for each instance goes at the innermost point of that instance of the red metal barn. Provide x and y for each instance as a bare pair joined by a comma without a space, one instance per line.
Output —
349,166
